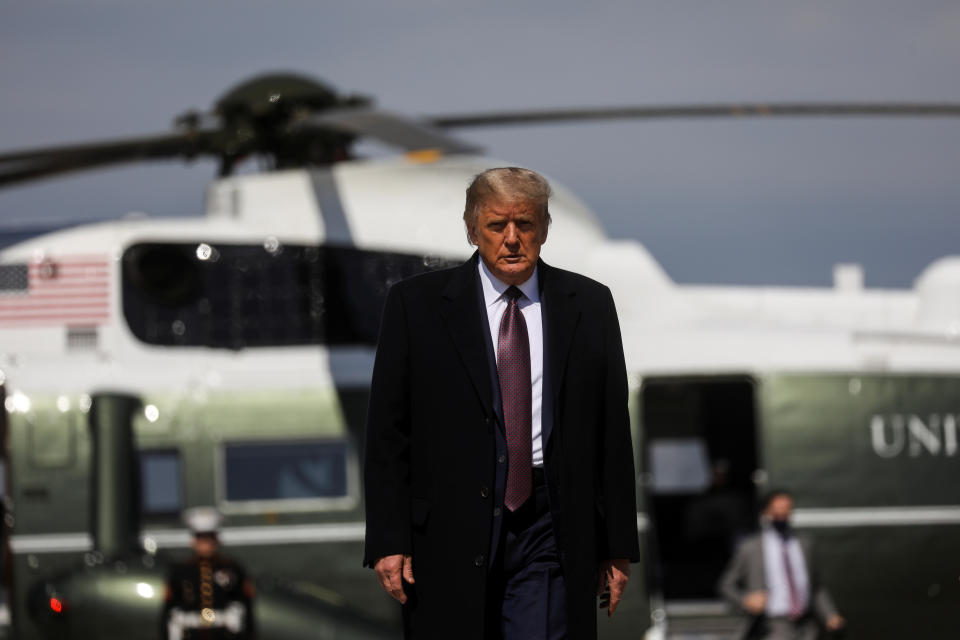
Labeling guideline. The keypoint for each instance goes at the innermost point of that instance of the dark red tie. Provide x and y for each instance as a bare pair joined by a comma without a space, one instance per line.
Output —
795,611
513,367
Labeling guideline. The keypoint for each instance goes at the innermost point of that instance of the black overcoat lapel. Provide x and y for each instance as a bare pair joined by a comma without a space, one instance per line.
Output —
461,315
561,314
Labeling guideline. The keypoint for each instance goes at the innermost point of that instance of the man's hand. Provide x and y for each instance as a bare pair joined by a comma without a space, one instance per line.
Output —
611,582
755,602
392,571
835,623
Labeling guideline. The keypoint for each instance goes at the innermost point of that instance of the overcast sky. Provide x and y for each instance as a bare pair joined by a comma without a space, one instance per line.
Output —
745,201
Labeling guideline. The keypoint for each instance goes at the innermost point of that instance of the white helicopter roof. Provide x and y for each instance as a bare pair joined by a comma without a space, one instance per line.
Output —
418,205
939,290
401,205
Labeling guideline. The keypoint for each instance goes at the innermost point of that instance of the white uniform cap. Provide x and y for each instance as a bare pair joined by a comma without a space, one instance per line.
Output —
202,520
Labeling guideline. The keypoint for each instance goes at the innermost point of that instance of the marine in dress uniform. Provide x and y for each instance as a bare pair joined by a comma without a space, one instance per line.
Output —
208,596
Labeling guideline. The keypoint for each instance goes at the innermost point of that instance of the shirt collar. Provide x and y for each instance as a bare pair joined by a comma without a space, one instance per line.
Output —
493,287
772,533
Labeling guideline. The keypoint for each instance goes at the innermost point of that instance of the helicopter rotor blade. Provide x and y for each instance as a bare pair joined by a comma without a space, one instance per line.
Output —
31,164
393,129
792,109
303,135
26,172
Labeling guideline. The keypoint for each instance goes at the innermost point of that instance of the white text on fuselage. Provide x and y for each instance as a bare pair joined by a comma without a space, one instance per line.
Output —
896,434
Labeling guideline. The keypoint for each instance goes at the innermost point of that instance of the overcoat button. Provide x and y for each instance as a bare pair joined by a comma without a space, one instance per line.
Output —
484,491
501,458
479,560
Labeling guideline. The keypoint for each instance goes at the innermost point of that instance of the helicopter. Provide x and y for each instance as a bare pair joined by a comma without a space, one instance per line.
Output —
153,365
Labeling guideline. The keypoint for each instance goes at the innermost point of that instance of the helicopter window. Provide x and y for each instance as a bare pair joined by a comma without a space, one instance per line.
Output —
160,482
678,465
13,277
286,471
239,296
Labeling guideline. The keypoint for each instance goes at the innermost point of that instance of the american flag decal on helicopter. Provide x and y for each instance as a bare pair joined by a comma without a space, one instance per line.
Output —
73,290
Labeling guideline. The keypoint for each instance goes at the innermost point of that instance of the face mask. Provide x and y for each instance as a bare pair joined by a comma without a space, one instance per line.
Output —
781,526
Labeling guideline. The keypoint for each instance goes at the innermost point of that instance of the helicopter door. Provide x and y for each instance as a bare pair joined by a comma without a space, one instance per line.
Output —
699,451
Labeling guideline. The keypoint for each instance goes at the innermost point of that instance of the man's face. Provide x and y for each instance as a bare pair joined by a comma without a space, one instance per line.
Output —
508,235
205,545
780,508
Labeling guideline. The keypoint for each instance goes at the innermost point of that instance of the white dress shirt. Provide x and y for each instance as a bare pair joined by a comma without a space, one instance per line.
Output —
778,590
496,304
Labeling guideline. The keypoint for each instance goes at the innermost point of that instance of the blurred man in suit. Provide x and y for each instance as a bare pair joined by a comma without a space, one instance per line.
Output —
499,470
773,580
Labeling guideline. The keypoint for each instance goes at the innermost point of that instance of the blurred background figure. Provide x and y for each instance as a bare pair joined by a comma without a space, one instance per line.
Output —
208,596
772,578
717,519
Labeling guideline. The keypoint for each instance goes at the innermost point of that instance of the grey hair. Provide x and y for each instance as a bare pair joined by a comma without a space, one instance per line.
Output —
510,184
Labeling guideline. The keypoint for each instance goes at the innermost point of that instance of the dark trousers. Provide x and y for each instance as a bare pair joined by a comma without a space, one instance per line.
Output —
527,599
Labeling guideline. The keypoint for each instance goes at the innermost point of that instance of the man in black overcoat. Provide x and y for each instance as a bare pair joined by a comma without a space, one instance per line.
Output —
499,477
